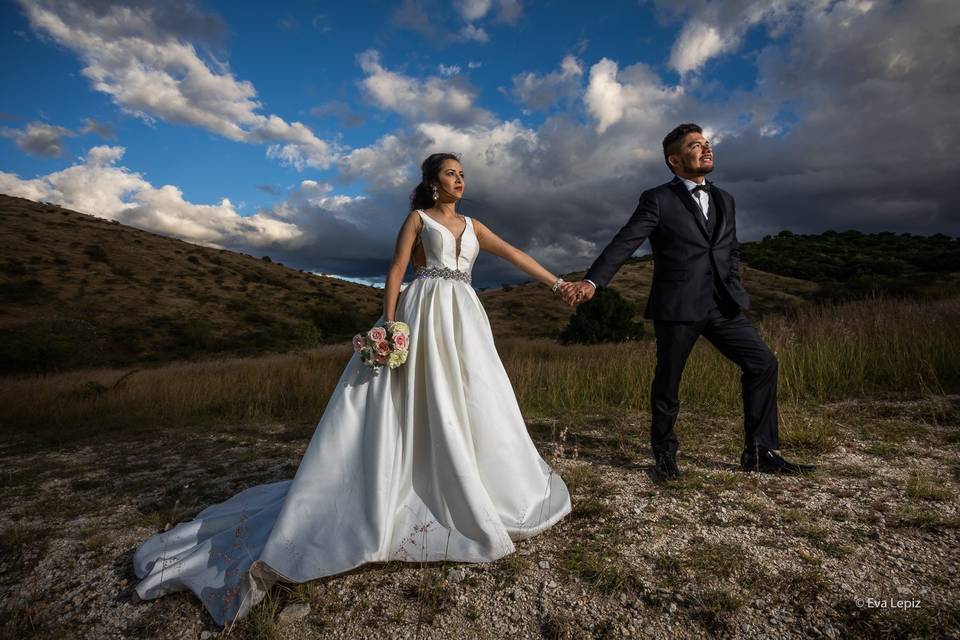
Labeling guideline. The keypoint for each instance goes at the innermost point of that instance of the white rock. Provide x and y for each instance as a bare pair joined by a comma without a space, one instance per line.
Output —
293,613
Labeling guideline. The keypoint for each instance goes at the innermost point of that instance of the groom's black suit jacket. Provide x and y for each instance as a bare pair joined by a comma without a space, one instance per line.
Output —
692,270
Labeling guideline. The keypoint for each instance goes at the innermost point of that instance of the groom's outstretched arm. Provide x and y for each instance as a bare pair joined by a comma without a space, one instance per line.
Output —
640,225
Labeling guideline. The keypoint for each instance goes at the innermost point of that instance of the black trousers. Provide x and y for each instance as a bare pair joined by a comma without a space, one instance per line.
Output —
736,338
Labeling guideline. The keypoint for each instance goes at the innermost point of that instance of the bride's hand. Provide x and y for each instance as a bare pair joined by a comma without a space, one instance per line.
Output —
568,292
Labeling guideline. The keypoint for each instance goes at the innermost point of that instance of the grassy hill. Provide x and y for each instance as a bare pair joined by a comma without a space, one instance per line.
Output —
850,264
785,272
78,290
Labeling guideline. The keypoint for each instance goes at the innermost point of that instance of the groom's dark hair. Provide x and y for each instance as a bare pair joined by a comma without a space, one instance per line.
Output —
671,144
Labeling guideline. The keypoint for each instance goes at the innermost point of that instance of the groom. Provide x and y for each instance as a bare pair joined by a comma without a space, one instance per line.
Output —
696,291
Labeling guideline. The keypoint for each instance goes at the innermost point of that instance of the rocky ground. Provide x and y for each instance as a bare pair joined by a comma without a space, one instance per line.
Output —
867,546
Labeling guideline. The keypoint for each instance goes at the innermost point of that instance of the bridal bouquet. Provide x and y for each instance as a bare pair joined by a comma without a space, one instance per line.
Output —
383,345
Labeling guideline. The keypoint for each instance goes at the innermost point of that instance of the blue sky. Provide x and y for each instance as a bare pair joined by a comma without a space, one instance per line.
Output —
295,129
301,56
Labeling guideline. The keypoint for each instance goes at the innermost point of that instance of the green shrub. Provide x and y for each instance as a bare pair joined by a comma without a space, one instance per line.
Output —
21,291
190,336
337,321
96,252
607,317
37,347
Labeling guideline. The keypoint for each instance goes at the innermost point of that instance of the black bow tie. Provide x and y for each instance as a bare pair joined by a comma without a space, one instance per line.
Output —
700,187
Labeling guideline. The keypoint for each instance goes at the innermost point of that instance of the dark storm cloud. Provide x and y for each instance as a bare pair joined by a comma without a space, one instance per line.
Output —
851,125
877,127
333,241
39,139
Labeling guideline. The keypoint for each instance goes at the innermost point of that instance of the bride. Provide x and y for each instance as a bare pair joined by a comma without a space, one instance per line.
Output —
430,461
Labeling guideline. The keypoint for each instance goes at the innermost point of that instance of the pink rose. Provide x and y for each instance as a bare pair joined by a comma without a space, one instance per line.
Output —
382,359
377,334
358,342
382,348
400,341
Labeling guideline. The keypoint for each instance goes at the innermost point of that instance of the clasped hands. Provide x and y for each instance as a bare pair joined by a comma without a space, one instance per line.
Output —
574,293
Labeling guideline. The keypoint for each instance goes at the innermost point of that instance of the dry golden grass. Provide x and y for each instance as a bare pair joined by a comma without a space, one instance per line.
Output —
862,349
825,353
290,387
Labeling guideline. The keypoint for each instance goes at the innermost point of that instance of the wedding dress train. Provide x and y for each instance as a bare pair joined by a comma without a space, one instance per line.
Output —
431,461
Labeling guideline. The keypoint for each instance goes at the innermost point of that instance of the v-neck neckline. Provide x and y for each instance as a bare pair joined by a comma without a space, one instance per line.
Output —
457,240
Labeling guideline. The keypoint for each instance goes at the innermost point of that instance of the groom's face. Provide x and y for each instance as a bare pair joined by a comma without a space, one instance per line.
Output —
695,157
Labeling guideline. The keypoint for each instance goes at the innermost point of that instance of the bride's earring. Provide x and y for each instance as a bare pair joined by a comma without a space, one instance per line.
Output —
436,194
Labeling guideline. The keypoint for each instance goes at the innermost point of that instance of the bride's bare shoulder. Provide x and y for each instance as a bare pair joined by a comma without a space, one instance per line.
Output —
479,228
415,218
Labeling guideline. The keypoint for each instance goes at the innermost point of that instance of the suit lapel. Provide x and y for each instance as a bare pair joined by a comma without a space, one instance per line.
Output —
717,201
681,190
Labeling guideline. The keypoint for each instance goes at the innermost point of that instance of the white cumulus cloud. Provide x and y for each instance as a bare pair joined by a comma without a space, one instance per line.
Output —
473,33
150,69
473,9
697,43
99,187
434,98
716,28
633,94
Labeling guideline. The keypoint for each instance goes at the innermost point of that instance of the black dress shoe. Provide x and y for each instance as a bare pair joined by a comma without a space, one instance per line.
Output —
769,461
666,467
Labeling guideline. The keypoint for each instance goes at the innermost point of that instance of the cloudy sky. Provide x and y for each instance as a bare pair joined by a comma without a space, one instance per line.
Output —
296,129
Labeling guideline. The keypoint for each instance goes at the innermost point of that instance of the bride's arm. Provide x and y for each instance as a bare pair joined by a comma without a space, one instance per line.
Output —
398,266
489,241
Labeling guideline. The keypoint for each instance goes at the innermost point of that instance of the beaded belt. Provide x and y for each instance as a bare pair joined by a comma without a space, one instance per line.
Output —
442,272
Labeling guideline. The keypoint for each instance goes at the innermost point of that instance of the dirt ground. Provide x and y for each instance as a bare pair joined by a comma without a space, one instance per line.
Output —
866,546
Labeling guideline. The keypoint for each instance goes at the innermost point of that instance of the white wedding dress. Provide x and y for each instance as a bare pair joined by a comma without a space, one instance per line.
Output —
430,461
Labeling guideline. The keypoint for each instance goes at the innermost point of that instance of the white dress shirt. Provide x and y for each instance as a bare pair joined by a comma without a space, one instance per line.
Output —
702,198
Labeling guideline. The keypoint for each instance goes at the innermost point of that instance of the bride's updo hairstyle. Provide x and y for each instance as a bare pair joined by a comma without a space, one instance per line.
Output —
422,196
